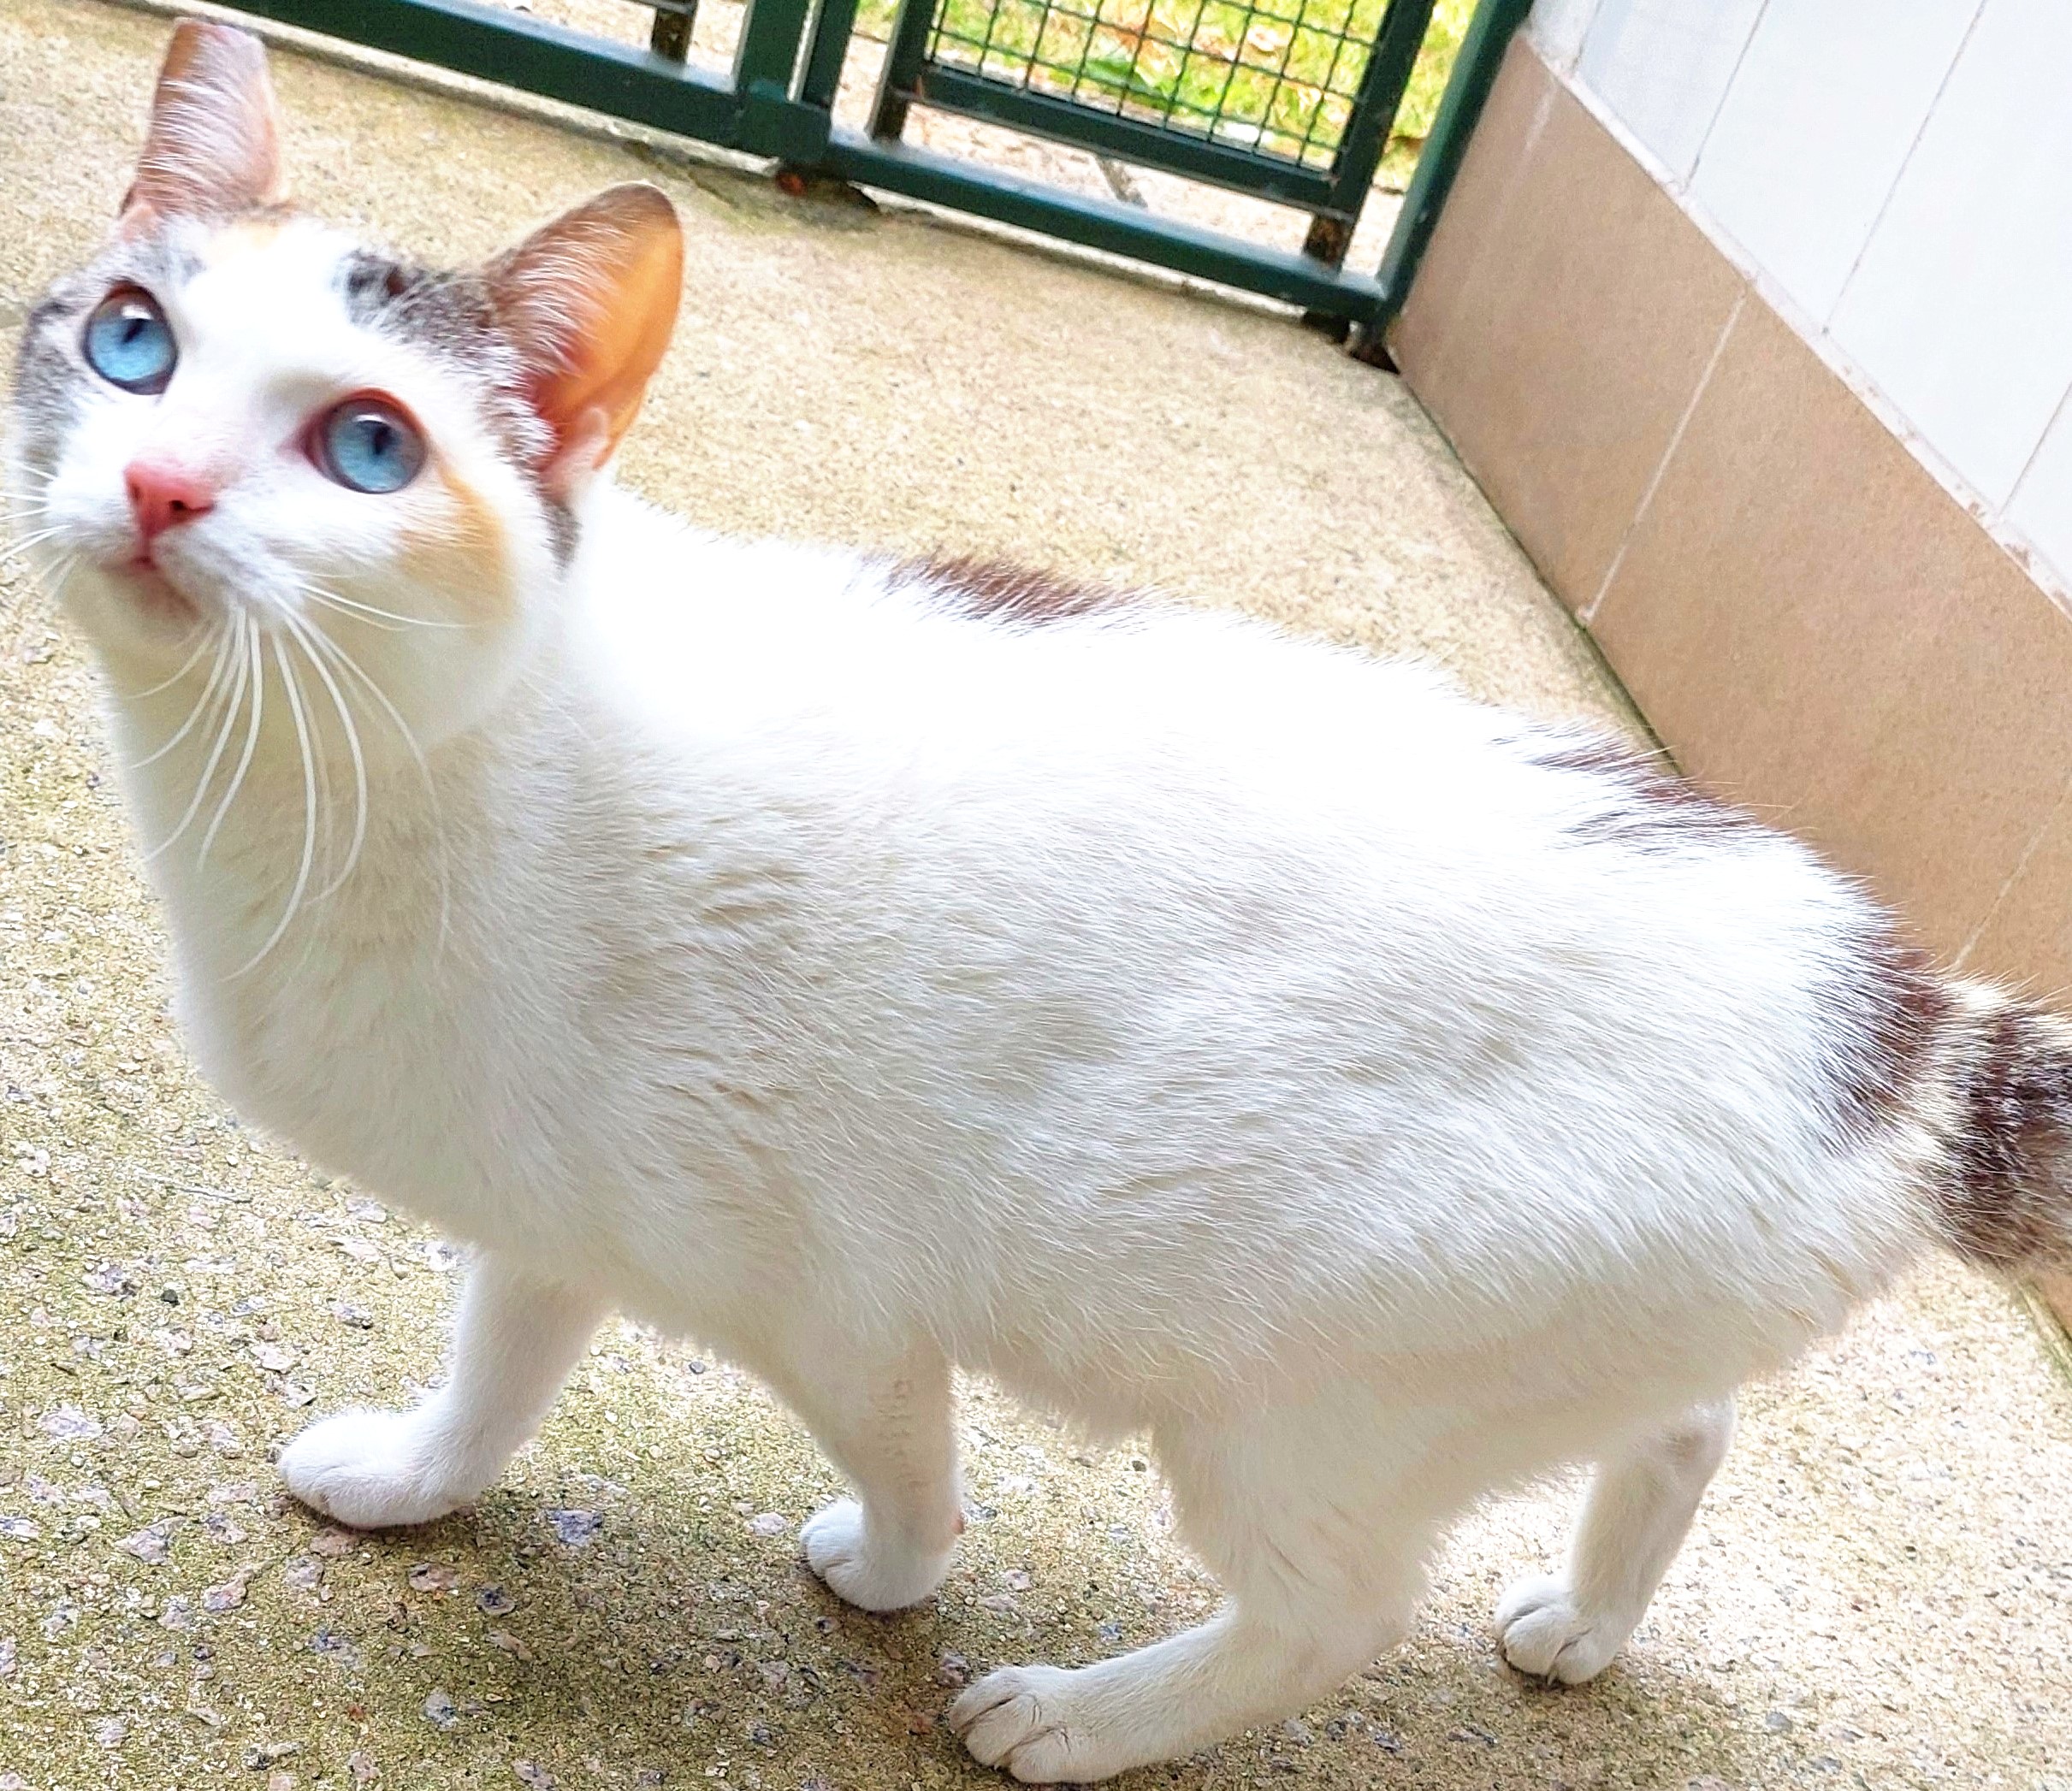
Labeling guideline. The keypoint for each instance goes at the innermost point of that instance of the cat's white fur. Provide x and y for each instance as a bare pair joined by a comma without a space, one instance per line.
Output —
1212,1036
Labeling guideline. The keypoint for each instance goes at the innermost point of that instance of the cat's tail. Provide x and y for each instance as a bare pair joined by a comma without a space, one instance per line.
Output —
2000,1176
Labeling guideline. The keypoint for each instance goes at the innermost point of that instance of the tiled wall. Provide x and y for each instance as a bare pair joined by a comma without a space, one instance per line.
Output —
1754,318
1815,611
1897,174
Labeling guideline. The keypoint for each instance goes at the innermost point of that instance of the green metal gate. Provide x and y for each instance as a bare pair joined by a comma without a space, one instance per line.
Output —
1260,97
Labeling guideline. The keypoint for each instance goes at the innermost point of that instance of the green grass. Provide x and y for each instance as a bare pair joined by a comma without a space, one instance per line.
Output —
1275,74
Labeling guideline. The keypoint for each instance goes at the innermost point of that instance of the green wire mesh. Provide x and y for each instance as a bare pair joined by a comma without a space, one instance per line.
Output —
1274,77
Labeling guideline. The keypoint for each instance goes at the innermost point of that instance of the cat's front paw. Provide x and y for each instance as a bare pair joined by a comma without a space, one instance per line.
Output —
1036,1723
1544,1632
863,1568
372,1470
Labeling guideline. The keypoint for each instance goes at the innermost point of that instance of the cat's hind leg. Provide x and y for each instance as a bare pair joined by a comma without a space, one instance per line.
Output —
517,1338
1567,1626
882,1418
1323,1564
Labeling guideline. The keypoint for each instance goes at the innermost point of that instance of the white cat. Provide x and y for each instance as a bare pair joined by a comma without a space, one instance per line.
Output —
1369,1097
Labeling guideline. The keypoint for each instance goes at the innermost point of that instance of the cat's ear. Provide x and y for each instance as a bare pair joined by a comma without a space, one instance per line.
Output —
213,145
588,301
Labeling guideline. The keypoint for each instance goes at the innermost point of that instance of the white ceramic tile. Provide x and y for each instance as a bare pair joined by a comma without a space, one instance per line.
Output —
1961,309
2042,505
1815,127
1558,29
1663,66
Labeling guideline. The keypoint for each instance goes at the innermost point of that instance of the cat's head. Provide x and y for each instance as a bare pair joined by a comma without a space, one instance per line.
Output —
236,421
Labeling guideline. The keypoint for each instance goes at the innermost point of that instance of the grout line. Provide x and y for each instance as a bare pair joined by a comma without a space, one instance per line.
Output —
2055,581
1712,124
1588,613
2014,877
1906,161
1569,64
2014,491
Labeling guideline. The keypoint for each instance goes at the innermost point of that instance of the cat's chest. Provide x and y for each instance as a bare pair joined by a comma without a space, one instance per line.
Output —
389,1073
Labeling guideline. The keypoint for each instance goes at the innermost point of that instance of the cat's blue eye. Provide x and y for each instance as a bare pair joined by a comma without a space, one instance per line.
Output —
368,444
129,343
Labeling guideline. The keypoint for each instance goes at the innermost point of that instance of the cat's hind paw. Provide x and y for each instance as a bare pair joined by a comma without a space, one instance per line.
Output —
860,1567
371,1470
1545,1634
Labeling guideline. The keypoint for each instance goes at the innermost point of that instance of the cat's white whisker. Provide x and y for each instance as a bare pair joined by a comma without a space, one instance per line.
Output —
25,543
208,631
38,498
353,744
353,606
233,696
249,637
185,727
58,578
347,662
292,687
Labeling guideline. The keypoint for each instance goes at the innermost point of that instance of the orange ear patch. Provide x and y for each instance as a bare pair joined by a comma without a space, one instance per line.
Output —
214,142
589,302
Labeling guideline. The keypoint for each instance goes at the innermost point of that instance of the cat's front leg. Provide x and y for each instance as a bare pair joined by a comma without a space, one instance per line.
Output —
882,1418
517,1337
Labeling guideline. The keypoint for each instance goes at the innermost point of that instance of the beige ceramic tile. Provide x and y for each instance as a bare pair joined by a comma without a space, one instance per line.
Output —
1564,317
2027,935
1812,623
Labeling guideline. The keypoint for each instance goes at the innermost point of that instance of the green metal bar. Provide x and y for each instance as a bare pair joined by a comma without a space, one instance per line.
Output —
833,23
766,57
520,52
1481,54
1177,152
1104,224
767,50
1380,96
904,58
763,118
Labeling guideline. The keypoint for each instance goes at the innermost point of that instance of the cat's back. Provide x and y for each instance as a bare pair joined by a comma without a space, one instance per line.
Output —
939,706
1073,932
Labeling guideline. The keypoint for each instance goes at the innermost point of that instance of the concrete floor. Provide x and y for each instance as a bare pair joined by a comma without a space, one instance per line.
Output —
1879,1592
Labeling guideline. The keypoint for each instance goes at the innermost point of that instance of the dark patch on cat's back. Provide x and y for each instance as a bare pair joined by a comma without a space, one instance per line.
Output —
991,590
1640,802
1883,1010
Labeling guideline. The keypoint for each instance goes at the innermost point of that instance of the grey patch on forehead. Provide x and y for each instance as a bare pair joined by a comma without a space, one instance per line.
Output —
447,315
451,316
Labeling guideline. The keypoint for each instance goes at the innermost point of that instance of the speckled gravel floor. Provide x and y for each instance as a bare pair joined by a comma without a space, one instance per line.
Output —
1878,1591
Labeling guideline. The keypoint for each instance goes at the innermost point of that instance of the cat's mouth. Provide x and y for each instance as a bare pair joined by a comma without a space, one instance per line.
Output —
155,592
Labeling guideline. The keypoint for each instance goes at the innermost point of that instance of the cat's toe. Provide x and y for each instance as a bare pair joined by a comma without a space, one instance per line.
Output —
367,1470
860,1568
1026,1721
1545,1634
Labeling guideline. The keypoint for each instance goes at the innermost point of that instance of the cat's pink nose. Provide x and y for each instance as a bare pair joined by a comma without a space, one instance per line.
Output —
163,496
